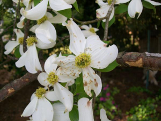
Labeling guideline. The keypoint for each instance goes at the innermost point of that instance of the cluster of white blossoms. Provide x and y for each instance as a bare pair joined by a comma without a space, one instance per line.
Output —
54,101
135,6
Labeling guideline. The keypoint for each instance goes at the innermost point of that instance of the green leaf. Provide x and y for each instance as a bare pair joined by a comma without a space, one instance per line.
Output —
98,24
109,24
76,6
107,42
73,114
36,2
67,13
148,6
121,9
110,67
17,53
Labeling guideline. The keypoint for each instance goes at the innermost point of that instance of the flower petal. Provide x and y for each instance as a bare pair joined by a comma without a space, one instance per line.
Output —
77,39
101,56
42,78
34,28
103,115
43,45
21,49
121,1
21,23
87,33
135,6
49,65
85,110
70,1
19,33
58,5
44,111
59,114
51,95
153,2
31,107
10,46
100,3
36,12
64,96
85,27
58,18
91,81
46,32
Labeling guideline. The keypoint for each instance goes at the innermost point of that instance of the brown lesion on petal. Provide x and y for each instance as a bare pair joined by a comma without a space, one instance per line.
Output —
95,83
85,83
88,103
10,90
105,45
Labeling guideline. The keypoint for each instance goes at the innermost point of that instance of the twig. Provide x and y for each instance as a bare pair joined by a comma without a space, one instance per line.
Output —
5,62
26,31
16,85
12,58
107,20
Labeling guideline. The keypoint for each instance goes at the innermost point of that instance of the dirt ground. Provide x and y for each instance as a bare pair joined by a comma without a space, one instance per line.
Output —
122,78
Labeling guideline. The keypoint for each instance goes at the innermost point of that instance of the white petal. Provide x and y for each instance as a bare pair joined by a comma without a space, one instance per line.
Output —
103,115
21,23
58,5
49,65
135,6
42,78
34,28
64,96
77,39
37,12
59,112
29,110
153,2
85,27
121,1
58,19
51,95
102,12
100,3
85,109
91,81
32,96
49,15
46,32
19,33
101,56
10,46
87,33
43,45
30,60
21,49
44,111
70,1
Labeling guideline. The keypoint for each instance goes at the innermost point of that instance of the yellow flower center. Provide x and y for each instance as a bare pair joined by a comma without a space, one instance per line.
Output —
40,92
31,40
20,40
92,30
109,2
83,60
52,78
43,19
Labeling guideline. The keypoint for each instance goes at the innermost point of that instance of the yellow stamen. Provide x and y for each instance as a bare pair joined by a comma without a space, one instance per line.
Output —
31,40
52,78
40,92
20,40
83,60
92,30
43,19
109,2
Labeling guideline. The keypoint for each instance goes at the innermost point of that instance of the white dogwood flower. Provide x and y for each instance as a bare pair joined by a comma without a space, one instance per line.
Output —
12,44
89,53
135,6
44,30
89,30
39,107
86,112
104,7
59,112
52,77
30,58
39,10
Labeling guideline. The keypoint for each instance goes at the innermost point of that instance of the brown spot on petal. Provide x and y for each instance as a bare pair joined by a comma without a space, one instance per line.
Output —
105,45
88,103
85,83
